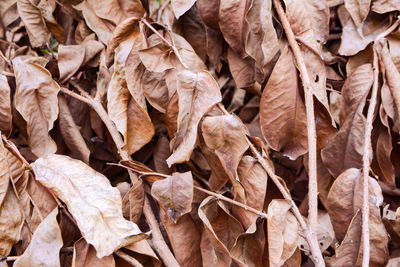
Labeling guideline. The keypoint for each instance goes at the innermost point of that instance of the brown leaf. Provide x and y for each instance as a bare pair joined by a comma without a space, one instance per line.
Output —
145,252
132,202
282,232
197,92
123,107
282,113
45,246
209,12
175,194
70,131
220,233
85,256
345,149
94,203
254,181
344,200
226,136
233,24
5,105
185,239
36,100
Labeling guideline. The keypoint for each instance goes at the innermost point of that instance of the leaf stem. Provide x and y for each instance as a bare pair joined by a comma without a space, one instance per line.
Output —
311,135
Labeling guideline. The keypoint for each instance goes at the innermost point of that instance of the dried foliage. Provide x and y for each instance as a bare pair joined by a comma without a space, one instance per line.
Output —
199,133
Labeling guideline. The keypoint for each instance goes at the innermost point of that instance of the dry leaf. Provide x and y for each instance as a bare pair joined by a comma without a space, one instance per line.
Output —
197,92
132,202
175,194
36,101
5,105
94,203
85,256
45,246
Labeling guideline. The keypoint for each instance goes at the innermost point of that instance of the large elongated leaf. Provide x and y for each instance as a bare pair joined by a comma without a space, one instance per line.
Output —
5,105
345,150
94,203
198,92
36,100
282,113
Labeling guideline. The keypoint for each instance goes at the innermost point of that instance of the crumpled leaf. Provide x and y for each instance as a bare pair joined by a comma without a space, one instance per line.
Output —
282,232
282,113
358,10
5,105
123,106
175,194
345,150
45,246
85,255
197,92
226,136
344,201
36,101
92,201
132,202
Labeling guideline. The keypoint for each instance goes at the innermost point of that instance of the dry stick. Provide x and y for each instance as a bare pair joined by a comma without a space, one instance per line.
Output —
158,241
311,132
128,258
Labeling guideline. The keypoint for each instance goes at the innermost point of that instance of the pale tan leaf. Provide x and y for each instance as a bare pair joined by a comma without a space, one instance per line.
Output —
384,6
45,246
175,194
70,131
358,10
282,112
282,232
226,136
5,105
197,92
94,203
181,6
36,101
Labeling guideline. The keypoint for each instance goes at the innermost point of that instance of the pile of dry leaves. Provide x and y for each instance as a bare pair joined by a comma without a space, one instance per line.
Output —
199,133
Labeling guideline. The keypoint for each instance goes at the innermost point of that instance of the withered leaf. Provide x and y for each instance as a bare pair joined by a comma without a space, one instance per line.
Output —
45,246
94,203
282,232
175,194
345,149
36,101
132,203
282,112
5,105
85,256
181,6
197,92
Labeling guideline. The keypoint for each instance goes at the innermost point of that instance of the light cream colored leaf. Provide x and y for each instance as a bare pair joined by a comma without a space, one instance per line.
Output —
226,136
175,194
181,6
45,246
36,100
70,131
385,6
198,92
123,107
5,105
358,10
92,201
345,149
282,232
282,113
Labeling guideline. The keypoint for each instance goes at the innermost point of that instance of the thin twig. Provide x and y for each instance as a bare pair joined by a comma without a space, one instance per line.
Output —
9,258
311,133
10,43
128,258
158,241
171,45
